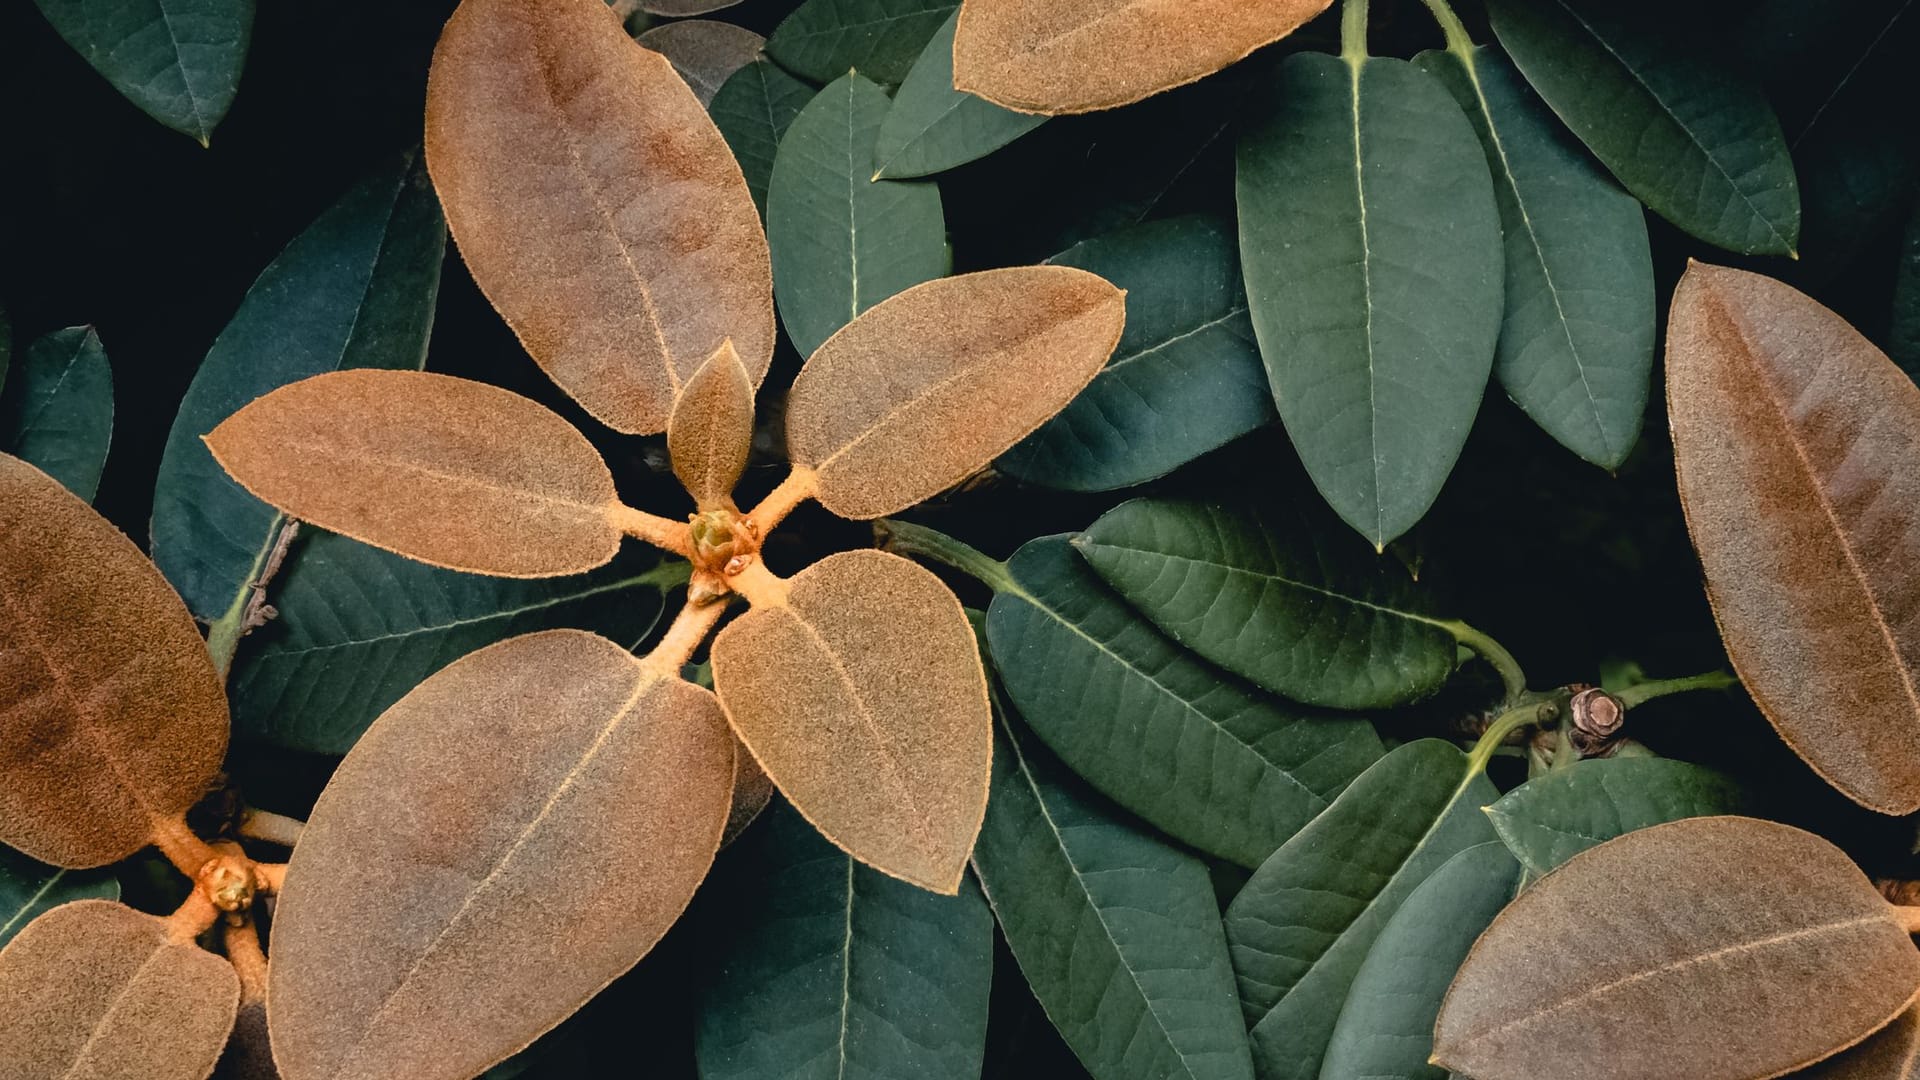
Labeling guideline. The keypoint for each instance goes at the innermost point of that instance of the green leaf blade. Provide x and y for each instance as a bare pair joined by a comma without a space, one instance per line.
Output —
57,409
753,110
178,60
1552,818
824,39
28,888
932,127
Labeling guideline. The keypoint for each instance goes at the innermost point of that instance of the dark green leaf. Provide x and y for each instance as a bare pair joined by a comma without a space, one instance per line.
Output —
1689,135
843,241
1552,818
6,345
1903,340
359,627
1116,932
1186,377
825,39
826,969
753,109
28,888
1278,595
1304,923
57,409
1372,256
178,60
1386,1026
356,289
932,127
1204,758
1576,340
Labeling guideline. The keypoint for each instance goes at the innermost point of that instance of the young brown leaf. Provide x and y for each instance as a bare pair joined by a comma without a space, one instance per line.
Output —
930,385
1797,444
447,471
860,694
111,717
1044,56
711,430
98,990
505,841
595,203
1686,949
706,52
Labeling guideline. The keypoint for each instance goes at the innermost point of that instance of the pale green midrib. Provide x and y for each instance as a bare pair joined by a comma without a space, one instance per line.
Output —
26,906
853,203
1814,120
879,170
1379,537
846,973
1160,346
29,423
202,130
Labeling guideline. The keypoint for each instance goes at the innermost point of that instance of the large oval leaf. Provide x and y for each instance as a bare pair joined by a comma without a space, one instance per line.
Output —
1798,450
595,203
1190,749
57,411
1629,960
822,968
1046,57
356,289
842,240
705,52
928,387
447,471
1186,377
178,60
1554,817
1373,266
114,720
531,820
932,127
1277,596
825,39
1576,339
1693,138
860,694
753,110
1300,928
1117,933
29,888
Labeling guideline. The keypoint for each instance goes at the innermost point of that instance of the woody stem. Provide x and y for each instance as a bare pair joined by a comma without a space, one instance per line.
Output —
688,630
798,487
663,533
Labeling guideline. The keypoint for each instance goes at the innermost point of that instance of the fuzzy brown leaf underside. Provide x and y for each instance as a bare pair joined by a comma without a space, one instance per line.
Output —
711,430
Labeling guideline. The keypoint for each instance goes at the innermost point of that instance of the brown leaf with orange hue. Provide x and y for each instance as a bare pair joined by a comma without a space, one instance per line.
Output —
447,471
752,791
111,717
97,990
927,387
706,52
1892,1054
1797,444
596,204
505,841
1075,56
711,431
860,694
1686,949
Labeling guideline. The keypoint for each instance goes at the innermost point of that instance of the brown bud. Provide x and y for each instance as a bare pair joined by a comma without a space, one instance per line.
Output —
1597,720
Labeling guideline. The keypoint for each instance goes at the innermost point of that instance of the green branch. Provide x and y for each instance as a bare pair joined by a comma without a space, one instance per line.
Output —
1495,654
906,538
1641,693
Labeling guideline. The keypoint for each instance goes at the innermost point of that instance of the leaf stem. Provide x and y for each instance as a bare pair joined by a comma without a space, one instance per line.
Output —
664,533
1459,43
1641,693
195,916
271,827
688,630
249,610
1496,734
1908,917
1511,676
249,961
1353,31
797,488
906,538
187,852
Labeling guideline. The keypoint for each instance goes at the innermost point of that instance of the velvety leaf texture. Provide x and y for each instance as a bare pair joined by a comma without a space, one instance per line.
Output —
753,110
1186,377
1372,255
705,52
178,60
711,430
1552,818
29,889
1893,1053
56,412
356,289
824,39
932,127
825,970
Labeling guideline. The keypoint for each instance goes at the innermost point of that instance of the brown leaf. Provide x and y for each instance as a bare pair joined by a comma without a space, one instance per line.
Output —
681,8
595,203
711,431
860,694
1798,450
930,385
704,51
1708,948
752,791
504,841
97,990
1050,56
1893,1053
450,472
111,716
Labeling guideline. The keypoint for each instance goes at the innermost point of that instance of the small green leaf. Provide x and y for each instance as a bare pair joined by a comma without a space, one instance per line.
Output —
1306,920
1903,339
753,110
359,627
1552,818
824,968
1386,1027
932,127
1690,136
57,410
356,289
28,888
1117,933
1372,255
824,39
1576,340
178,60
1186,378
841,240
1277,595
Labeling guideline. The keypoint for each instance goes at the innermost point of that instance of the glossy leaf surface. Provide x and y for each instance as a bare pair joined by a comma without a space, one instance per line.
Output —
1552,818
824,39
753,110
1798,450
933,127
29,888
711,430
612,228
930,386
56,412
705,52
178,60
1657,937
114,719
615,784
